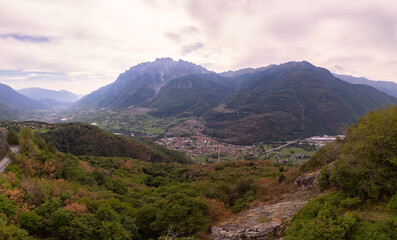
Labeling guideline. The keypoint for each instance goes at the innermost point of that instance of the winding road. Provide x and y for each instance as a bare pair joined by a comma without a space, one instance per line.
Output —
6,160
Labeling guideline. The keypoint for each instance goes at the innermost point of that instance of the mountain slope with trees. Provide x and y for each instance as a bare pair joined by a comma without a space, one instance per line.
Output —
139,83
48,194
364,169
190,95
383,86
83,139
277,102
289,101
12,98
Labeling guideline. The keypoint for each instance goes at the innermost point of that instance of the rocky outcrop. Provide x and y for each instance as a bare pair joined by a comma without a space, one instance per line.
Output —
258,223
308,181
268,221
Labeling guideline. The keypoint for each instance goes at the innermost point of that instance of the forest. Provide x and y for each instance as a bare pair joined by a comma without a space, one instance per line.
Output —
360,175
46,193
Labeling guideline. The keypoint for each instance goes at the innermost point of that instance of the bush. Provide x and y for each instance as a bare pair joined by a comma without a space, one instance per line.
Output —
368,166
327,154
12,137
371,230
320,219
30,221
7,207
392,207
323,180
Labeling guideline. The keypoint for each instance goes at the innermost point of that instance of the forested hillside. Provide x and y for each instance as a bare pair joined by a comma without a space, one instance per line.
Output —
83,139
47,194
364,169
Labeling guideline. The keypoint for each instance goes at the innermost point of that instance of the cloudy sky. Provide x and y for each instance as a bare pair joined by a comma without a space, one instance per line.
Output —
80,45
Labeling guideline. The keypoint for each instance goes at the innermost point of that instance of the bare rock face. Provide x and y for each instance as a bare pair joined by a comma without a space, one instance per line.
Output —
308,181
258,223
268,221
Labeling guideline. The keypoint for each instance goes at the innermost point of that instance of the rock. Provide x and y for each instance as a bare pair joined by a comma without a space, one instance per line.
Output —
308,181
259,223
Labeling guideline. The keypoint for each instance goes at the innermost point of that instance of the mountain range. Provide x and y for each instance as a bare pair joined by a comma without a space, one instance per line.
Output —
139,83
286,101
44,95
14,104
283,101
383,86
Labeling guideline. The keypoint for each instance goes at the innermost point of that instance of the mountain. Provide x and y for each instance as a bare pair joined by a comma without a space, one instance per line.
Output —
288,101
139,83
7,113
383,86
15,100
189,95
40,94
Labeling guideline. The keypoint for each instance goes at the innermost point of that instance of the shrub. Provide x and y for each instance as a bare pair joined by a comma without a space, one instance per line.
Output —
30,221
392,207
323,180
368,165
371,230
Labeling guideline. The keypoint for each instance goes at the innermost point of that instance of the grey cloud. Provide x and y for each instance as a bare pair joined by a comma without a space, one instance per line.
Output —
25,38
173,36
192,48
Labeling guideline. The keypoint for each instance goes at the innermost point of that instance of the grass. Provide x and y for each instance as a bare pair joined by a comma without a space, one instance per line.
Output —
200,159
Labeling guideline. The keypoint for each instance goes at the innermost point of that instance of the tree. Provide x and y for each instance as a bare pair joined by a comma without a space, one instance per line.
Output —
30,221
368,165
12,137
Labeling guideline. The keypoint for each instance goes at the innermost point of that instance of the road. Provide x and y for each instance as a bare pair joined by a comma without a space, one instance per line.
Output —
279,147
6,160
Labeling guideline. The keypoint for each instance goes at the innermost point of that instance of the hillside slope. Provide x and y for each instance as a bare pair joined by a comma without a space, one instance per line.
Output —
14,99
83,139
291,100
190,95
383,86
139,83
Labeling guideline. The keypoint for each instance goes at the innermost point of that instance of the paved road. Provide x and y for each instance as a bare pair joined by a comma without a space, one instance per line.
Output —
278,148
6,160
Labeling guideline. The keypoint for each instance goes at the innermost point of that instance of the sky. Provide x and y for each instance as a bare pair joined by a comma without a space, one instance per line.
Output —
81,45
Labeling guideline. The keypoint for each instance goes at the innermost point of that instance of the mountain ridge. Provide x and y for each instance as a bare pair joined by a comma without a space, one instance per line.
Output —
12,98
39,94
384,86
149,77
285,101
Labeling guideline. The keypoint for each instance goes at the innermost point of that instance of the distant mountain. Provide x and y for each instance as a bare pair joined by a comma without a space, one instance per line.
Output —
7,113
39,94
387,87
286,101
289,101
189,95
15,100
139,83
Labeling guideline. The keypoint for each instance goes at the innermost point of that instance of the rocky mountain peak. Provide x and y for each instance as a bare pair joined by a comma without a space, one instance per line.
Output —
167,66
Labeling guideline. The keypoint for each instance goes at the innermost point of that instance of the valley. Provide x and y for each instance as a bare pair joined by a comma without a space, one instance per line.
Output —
172,149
